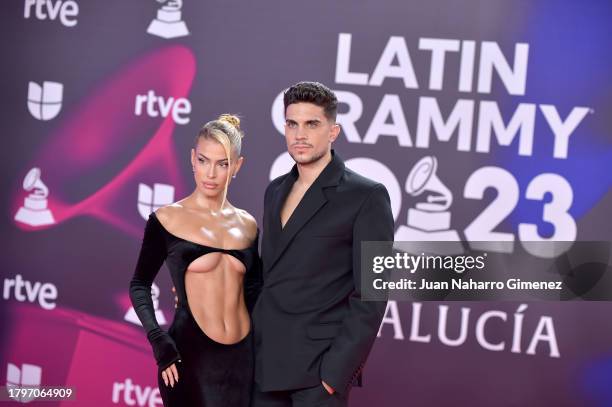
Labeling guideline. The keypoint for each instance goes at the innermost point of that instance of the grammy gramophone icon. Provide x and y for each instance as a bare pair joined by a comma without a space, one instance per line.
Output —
429,220
130,315
169,23
34,211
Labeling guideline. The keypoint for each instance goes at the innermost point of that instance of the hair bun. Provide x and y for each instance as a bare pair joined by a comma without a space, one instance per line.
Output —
231,119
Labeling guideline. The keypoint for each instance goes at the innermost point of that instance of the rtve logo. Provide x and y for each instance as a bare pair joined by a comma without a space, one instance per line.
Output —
160,106
66,10
45,102
135,395
24,290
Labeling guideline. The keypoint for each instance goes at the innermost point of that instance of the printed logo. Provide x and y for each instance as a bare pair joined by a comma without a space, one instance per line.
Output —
151,199
160,106
131,394
168,23
34,211
67,11
23,290
45,102
28,375
430,219
130,315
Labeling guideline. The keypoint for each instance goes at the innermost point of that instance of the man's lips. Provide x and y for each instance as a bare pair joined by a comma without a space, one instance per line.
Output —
301,146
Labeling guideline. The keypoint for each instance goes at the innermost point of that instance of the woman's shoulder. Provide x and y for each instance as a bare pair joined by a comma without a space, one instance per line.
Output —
166,214
248,221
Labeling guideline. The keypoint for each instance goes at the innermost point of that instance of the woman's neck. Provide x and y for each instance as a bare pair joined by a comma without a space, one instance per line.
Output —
214,204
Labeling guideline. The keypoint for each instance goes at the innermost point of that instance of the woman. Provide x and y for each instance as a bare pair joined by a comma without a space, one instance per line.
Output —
210,248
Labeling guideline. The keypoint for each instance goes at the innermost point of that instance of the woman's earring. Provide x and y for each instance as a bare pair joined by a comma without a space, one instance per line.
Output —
234,176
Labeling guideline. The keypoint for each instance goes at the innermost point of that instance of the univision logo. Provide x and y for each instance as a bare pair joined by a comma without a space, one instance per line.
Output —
28,375
151,199
45,102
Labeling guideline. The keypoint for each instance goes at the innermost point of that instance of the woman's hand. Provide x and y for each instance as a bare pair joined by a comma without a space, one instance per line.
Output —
170,375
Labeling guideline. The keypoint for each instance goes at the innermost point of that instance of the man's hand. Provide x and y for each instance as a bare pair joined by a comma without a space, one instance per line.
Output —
329,389
175,297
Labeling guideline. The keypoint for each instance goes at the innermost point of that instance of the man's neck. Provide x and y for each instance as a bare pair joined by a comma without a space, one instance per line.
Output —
308,173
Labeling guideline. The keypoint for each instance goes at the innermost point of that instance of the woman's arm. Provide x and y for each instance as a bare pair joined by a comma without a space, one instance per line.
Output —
253,282
153,252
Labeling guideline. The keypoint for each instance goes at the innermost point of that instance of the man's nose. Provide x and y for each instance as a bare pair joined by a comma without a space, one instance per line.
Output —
300,133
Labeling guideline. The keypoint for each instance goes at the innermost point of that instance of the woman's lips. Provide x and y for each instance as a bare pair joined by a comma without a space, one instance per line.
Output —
209,185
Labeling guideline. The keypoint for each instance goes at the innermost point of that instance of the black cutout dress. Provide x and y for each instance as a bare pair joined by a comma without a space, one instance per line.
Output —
211,374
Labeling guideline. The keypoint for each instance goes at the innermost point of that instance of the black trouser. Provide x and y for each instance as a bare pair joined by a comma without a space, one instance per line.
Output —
308,397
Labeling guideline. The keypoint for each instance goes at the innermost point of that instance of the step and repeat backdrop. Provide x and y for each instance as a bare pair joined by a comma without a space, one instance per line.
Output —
500,110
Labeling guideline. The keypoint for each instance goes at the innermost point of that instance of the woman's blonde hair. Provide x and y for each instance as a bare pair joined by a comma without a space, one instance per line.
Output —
226,131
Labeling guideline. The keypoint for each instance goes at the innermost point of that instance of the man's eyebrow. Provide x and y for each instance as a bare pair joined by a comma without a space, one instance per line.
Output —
306,121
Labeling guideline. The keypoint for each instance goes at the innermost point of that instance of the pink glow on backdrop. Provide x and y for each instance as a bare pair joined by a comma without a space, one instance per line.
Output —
67,345
100,128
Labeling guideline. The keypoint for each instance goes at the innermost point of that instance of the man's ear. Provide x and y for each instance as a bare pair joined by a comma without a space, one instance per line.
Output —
334,132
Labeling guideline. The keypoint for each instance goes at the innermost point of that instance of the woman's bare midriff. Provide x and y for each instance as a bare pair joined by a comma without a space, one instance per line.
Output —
214,288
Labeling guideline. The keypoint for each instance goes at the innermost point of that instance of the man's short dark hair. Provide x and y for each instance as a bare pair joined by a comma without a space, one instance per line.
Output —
315,93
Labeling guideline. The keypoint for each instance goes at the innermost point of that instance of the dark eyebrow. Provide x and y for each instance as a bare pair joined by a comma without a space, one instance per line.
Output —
311,121
225,159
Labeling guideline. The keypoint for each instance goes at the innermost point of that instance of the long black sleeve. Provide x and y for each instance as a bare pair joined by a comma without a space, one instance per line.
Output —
153,252
253,281
349,350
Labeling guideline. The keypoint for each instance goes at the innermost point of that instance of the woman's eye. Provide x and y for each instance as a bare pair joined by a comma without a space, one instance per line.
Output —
223,165
201,160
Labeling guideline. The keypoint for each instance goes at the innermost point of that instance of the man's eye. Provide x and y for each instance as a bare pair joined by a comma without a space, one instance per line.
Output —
291,124
313,125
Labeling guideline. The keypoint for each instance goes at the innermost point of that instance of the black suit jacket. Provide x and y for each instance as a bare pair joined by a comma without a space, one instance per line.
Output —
309,321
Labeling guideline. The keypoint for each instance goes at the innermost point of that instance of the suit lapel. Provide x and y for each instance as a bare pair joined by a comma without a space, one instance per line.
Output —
278,198
310,204
312,201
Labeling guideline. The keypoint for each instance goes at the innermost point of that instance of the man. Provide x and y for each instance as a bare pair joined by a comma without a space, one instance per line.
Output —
313,332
